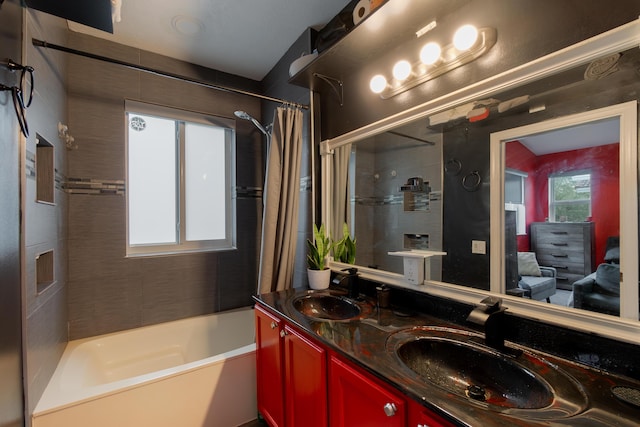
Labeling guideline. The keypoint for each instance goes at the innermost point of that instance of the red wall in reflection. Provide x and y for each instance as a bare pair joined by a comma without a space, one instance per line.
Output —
603,162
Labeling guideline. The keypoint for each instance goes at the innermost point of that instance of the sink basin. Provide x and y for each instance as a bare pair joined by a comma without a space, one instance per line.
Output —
328,306
459,363
475,373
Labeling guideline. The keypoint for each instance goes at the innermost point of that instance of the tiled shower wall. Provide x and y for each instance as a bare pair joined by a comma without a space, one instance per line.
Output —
381,220
107,291
45,224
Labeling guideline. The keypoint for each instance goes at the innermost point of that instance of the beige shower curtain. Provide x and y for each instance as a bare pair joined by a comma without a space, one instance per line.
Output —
340,207
282,195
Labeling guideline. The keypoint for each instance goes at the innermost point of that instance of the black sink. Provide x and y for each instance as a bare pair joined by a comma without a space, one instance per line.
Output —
325,305
459,363
475,373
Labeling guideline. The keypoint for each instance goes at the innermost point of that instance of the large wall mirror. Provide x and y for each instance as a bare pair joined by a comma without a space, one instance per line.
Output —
557,144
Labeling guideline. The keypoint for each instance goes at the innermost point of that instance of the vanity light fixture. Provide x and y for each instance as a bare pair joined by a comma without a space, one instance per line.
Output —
401,70
469,43
378,83
430,53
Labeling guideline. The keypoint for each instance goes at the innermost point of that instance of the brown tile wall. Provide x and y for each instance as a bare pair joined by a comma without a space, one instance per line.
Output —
107,291
45,224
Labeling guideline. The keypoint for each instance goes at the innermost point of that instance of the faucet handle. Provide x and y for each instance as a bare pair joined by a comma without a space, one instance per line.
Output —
493,304
351,271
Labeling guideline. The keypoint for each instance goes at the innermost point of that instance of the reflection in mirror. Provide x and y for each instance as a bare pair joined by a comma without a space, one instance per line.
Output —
394,200
575,209
465,145
561,208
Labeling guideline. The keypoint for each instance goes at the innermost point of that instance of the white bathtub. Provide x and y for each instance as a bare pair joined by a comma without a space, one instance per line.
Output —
194,372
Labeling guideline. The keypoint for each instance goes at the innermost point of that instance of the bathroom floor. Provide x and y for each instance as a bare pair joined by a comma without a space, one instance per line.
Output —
255,423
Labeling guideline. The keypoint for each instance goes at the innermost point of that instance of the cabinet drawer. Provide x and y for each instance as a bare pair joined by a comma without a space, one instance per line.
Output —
561,260
557,245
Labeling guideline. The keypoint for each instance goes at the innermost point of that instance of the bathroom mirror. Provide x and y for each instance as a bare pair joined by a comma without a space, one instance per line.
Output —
578,80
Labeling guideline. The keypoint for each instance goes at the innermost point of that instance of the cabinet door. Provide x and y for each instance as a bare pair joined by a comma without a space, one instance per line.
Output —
269,361
305,381
419,416
357,399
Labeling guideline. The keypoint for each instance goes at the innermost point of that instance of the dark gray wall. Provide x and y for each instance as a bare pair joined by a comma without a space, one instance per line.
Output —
276,84
526,30
44,224
11,390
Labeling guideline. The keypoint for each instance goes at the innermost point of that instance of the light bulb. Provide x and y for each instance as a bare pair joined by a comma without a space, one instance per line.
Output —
378,83
465,37
430,53
401,70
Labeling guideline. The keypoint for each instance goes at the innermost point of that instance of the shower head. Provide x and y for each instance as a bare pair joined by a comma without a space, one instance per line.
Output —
246,116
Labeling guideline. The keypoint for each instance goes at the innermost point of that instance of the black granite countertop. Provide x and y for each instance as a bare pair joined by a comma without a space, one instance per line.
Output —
584,399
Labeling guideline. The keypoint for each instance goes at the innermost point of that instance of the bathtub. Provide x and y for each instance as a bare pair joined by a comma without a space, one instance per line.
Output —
193,372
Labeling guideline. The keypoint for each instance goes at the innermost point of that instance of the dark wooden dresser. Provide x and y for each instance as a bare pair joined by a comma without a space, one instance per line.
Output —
567,246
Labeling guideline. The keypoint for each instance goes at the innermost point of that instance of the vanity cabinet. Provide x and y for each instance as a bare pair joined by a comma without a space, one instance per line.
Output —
569,247
269,367
291,374
419,416
356,399
305,376
301,383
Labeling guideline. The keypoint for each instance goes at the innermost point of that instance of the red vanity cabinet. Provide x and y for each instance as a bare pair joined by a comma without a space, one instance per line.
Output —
269,367
357,399
291,374
305,381
419,416
302,383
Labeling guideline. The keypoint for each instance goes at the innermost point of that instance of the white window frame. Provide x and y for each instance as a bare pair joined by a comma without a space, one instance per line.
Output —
519,206
553,203
183,246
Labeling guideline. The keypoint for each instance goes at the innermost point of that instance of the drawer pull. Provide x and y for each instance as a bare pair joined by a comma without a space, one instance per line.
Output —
560,267
559,232
560,244
560,255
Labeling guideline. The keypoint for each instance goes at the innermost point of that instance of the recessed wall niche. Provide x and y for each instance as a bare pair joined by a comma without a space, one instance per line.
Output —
45,170
44,271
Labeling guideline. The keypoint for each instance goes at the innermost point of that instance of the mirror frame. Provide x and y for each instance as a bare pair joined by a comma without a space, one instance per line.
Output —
619,39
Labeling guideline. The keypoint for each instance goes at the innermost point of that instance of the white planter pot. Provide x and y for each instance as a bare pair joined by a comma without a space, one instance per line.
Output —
319,279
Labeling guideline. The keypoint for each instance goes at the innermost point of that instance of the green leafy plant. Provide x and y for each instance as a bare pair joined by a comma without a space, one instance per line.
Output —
344,249
318,249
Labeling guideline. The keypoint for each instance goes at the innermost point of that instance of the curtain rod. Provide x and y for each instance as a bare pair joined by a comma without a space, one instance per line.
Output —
40,43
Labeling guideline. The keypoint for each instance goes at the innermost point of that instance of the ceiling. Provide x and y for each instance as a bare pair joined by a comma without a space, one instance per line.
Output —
242,37
575,137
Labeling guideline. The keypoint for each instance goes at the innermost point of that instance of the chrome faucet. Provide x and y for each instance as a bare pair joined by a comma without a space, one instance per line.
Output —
490,315
352,280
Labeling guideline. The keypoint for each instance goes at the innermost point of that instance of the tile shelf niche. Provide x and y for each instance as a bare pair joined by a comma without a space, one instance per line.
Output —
45,171
44,271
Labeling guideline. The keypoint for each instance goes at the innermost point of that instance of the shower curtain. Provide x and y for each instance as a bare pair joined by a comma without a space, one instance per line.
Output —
282,195
340,206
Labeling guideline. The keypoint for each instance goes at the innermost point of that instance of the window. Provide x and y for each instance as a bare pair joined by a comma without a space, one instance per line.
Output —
180,181
514,187
570,197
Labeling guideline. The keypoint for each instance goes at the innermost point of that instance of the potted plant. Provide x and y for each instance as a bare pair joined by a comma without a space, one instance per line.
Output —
317,272
344,250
